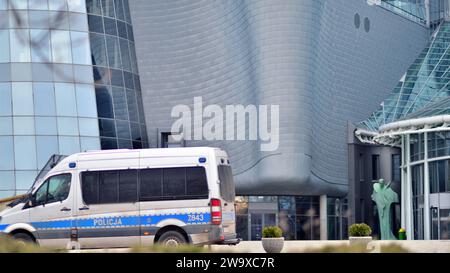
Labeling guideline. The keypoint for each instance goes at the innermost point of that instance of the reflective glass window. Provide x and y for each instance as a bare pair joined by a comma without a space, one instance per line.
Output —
116,77
69,145
126,11
119,10
58,187
132,106
24,179
125,144
83,74
108,143
130,32
78,22
110,26
22,97
40,49
6,126
113,49
86,101
120,103
104,102
88,127
125,53
18,4
108,8
65,99
122,29
20,45
5,99
135,132
67,126
57,5
94,6
25,152
128,182
23,125
107,127
98,50
80,48
77,5
44,99
8,181
128,79
59,20
61,45
95,24
174,182
89,143
4,46
45,126
3,4
123,129
18,19
151,184
7,154
39,19
46,146
38,4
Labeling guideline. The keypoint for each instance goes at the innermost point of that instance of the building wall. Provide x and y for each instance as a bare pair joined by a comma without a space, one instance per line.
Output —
47,97
310,57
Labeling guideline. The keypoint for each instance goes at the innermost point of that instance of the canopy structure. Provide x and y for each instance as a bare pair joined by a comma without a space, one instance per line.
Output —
423,92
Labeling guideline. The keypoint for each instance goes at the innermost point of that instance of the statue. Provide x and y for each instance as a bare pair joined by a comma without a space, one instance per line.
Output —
384,196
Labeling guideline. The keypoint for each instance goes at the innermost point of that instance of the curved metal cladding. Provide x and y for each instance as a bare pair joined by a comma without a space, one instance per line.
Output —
309,57
47,97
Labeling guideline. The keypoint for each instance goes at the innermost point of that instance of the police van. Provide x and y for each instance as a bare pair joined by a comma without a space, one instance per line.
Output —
123,198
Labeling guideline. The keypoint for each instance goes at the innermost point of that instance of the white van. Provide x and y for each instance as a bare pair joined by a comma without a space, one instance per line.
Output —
122,198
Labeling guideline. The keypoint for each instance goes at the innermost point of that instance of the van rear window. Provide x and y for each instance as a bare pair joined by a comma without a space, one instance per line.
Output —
227,189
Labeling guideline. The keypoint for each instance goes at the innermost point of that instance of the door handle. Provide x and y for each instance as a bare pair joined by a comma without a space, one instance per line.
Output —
65,209
84,208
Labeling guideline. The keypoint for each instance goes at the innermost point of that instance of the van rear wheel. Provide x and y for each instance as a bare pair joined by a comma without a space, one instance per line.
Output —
172,239
23,238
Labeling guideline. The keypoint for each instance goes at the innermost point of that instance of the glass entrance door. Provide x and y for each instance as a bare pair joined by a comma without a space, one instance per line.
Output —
260,220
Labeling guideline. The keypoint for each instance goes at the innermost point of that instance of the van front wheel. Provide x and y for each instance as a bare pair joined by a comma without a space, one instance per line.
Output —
172,239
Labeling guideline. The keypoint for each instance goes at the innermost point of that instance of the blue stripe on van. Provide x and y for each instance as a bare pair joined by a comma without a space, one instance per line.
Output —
3,227
122,221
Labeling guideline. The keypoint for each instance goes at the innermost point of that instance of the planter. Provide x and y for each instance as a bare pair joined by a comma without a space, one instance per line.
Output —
273,245
362,241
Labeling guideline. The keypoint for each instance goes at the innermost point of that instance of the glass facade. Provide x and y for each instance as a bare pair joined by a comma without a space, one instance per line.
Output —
116,77
68,83
297,216
423,91
47,92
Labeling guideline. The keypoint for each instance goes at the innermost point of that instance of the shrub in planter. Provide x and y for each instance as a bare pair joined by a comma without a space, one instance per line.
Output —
359,234
273,240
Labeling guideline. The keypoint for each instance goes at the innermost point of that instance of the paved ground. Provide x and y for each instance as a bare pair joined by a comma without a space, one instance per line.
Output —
302,246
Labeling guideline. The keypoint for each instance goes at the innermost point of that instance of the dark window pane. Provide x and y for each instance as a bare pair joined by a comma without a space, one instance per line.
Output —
101,75
108,8
110,26
128,77
108,143
119,10
125,54
126,11
89,187
94,6
98,49
196,183
104,102
128,186
120,103
137,145
107,127
125,144
123,129
95,24
122,29
135,133
112,44
137,83
130,32
116,77
174,182
132,106
151,183
108,185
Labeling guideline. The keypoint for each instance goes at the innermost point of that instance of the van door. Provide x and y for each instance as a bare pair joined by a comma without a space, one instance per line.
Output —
51,212
107,209
227,193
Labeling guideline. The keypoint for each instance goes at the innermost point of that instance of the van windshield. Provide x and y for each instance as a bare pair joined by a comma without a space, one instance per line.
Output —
227,189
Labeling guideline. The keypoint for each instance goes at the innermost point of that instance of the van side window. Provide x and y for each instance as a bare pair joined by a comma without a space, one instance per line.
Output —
108,187
54,189
173,184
